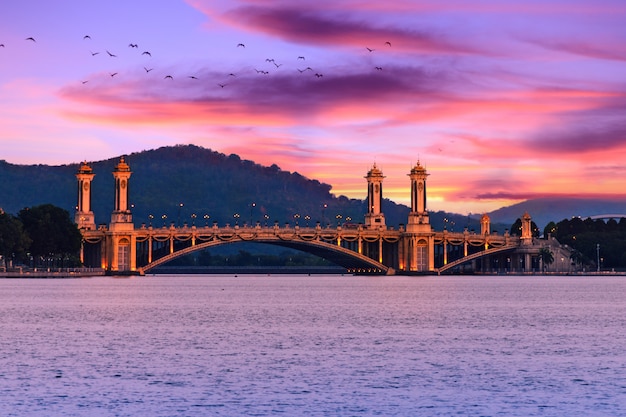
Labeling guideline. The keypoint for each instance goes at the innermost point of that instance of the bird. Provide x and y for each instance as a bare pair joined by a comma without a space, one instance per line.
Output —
85,82
369,49
318,75
94,53
112,55
1,45
301,57
146,53
269,59
277,65
31,39
379,68
113,74
193,77
133,45
388,43
168,76
222,85
241,44
231,75
148,69
86,37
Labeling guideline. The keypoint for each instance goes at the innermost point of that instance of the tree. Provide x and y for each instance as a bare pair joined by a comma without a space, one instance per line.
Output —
13,240
52,232
550,229
546,256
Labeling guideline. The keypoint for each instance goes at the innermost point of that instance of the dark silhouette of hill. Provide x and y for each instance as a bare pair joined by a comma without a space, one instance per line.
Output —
220,186
223,187
545,210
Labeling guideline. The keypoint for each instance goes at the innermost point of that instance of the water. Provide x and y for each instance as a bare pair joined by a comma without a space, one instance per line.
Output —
313,345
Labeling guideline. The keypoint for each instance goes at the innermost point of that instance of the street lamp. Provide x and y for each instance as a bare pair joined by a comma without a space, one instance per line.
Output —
180,207
598,257
266,217
164,217
193,219
252,205
338,217
307,218
295,218
236,217
206,220
150,216
324,213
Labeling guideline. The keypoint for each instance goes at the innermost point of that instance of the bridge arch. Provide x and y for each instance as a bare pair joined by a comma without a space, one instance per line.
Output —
346,258
473,256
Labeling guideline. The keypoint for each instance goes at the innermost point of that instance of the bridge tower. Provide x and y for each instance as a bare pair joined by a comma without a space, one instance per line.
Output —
121,241
419,243
485,225
84,217
374,218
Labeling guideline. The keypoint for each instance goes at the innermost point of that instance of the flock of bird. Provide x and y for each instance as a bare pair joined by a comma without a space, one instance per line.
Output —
148,68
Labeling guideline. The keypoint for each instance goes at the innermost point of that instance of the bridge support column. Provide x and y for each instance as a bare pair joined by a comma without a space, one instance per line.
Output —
121,240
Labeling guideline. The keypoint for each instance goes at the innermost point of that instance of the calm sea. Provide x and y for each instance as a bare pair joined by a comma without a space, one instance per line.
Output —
313,345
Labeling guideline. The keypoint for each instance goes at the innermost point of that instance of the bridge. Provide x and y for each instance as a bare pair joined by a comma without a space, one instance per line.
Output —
369,248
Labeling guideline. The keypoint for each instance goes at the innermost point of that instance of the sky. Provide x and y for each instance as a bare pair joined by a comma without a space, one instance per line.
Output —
501,101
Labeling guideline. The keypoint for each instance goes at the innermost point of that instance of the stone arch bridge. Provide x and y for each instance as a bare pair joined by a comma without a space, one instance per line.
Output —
369,248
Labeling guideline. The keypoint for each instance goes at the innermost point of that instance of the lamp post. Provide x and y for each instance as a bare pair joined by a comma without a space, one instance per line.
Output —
193,219
252,205
338,217
180,207
598,257
324,213
164,217
266,217
236,217
307,218
206,220
295,218
150,216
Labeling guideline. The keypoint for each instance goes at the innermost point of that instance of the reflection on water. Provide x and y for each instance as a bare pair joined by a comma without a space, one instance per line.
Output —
313,345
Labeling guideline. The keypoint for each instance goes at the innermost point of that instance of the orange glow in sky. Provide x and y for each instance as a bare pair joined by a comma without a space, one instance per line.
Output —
501,101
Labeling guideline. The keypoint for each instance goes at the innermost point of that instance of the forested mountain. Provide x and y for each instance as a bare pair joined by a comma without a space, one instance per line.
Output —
207,183
545,210
225,188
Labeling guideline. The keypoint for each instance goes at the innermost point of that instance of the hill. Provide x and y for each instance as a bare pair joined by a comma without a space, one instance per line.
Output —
545,210
210,185
227,189
207,183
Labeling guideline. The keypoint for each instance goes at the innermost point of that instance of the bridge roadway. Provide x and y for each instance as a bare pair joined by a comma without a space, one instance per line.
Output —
358,249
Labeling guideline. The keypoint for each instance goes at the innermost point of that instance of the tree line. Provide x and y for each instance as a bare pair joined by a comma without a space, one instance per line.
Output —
594,241
40,236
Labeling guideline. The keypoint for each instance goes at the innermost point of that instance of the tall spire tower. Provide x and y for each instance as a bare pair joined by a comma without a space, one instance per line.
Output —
418,214
419,242
84,217
121,212
374,217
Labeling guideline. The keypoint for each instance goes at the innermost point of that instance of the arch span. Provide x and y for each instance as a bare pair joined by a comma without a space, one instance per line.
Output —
476,255
352,261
